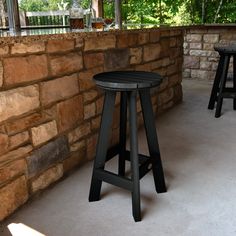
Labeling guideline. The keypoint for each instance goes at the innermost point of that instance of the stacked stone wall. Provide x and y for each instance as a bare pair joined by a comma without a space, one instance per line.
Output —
50,109
200,58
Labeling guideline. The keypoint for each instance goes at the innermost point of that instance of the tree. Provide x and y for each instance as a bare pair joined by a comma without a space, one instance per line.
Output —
2,13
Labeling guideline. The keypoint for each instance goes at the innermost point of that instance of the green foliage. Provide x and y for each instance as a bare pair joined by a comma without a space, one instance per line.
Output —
176,12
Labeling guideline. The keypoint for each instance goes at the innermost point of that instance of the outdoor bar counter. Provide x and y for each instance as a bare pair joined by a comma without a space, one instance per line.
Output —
50,108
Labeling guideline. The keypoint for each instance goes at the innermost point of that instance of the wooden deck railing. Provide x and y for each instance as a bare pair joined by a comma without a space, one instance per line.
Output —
60,17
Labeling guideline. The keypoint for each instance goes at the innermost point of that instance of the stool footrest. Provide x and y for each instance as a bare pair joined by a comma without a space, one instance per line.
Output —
144,163
228,93
114,179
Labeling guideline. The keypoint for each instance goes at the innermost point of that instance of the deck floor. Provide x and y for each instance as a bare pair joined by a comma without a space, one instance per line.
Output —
199,159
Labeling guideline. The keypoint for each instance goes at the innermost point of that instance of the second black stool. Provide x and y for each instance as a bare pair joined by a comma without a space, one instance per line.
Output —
128,83
219,89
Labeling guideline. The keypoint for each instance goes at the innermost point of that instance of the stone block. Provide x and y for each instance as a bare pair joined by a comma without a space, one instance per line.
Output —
22,48
1,74
154,36
165,96
151,52
175,52
165,33
116,59
4,50
70,112
89,110
97,43
206,65
90,95
16,154
66,63
165,47
11,170
200,53
191,62
178,94
12,196
136,55
30,68
51,153
60,45
85,78
144,67
186,73
44,132
211,38
194,38
208,46
127,40
18,101
77,146
48,177
175,32
18,139
174,80
173,42
80,132
99,105
143,38
133,39
93,60
58,89
3,143
195,45
79,42
202,74
95,123
19,125
91,147
75,159
122,41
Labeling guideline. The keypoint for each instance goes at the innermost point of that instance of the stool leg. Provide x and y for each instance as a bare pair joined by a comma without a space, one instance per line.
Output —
134,156
152,140
215,87
223,79
234,78
102,146
123,126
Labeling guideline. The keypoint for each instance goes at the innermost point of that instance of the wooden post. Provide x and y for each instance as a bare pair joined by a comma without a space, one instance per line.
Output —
97,5
118,19
13,15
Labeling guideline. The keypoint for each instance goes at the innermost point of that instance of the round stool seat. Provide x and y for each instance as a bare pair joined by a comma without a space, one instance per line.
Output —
227,49
127,80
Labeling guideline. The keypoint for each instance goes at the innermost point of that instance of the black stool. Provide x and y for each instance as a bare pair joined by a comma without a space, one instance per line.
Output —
128,83
219,89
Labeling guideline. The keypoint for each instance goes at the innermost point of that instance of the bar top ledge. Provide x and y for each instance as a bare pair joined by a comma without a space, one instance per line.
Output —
43,34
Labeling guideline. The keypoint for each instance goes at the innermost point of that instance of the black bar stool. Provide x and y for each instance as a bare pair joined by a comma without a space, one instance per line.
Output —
128,83
219,89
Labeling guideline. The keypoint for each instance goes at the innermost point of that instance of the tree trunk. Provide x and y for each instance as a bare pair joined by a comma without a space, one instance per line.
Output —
2,14
97,5
203,11
218,10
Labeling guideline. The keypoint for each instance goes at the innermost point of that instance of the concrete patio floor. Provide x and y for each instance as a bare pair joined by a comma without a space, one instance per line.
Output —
199,159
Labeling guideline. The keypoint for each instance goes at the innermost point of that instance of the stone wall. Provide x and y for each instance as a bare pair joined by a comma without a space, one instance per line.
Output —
50,109
200,58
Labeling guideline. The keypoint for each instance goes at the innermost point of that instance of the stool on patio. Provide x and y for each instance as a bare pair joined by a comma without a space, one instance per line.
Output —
128,83
219,89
